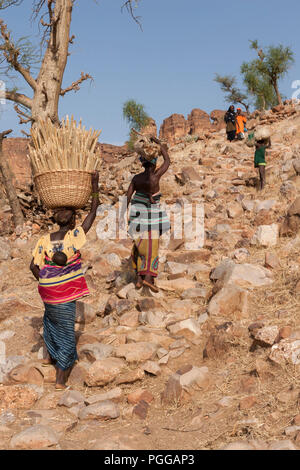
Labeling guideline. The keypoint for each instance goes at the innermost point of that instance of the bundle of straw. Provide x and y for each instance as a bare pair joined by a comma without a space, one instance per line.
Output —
69,147
63,159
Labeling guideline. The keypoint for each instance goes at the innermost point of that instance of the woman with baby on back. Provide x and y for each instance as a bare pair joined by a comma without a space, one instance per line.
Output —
56,264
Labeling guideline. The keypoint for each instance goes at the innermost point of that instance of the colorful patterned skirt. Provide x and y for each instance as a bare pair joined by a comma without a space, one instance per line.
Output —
144,254
147,222
145,216
59,333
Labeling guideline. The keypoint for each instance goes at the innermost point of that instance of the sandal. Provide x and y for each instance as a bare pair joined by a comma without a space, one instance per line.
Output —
59,387
151,286
47,364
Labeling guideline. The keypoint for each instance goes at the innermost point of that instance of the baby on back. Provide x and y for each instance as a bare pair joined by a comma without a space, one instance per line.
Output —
60,258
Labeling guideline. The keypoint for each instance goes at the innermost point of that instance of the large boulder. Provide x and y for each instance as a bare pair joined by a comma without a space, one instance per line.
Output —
198,121
173,128
217,116
35,437
242,275
291,223
230,302
266,236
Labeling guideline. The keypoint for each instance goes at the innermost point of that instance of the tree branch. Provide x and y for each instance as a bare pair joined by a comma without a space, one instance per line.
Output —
129,7
5,133
8,3
11,54
25,133
75,85
21,115
17,98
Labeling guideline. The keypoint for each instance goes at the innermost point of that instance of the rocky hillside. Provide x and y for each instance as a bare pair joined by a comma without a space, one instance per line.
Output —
212,360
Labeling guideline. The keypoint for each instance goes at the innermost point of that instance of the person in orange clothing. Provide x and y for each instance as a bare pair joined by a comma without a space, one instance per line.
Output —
240,121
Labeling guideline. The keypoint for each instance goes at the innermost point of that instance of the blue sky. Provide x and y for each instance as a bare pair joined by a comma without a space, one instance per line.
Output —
170,66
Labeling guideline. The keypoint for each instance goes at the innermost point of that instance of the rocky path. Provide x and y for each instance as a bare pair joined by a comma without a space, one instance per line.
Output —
211,361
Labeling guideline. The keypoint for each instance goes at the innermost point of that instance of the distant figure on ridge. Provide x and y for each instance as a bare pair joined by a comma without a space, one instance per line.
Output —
241,122
229,118
260,159
147,221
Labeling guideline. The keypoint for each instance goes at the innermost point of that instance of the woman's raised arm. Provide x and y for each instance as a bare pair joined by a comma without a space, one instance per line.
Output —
88,221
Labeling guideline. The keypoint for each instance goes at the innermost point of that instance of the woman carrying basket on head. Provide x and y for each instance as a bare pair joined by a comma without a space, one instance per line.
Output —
147,220
56,264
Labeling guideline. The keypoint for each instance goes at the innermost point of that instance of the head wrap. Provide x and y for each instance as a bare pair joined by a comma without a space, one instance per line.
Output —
144,160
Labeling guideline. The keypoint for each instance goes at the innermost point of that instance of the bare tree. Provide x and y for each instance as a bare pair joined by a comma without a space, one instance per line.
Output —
19,56
55,19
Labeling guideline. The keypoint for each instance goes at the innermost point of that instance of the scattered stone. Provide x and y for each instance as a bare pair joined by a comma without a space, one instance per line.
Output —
282,445
116,395
141,409
130,377
130,319
243,275
176,268
285,332
271,261
35,437
267,335
230,302
161,352
195,293
123,293
104,371
138,395
71,398
234,210
216,346
5,250
26,374
86,310
198,377
95,352
123,306
7,417
247,403
287,351
102,410
152,368
185,328
136,352
78,374
173,391
180,284
266,235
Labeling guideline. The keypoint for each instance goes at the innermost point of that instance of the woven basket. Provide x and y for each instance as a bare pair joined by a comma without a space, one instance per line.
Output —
64,188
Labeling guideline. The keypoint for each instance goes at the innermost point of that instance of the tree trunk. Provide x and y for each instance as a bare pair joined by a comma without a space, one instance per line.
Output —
49,80
245,106
8,185
275,85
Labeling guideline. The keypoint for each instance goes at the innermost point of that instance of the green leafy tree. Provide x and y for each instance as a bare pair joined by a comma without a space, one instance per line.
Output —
258,87
137,118
134,113
232,93
272,64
